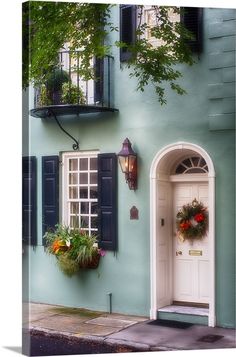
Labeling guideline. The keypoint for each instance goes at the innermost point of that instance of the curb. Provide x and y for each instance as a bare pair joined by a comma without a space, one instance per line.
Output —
141,347
136,347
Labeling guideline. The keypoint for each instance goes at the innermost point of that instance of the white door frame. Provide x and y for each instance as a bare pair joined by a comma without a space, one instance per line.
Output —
156,174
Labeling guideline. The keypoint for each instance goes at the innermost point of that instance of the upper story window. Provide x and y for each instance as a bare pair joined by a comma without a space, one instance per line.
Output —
80,191
192,165
151,19
134,16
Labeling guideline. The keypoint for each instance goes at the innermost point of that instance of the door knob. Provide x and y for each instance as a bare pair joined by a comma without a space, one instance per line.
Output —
179,252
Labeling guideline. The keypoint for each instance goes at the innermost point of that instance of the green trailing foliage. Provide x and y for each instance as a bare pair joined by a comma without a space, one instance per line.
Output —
47,26
67,265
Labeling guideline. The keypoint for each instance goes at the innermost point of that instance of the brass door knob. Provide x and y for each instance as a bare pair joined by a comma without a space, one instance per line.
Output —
179,252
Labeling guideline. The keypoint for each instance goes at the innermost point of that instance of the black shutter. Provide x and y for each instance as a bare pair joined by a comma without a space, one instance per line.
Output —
98,85
127,29
50,192
29,200
107,201
192,20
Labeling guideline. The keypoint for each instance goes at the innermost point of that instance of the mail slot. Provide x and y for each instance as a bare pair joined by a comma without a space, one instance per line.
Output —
195,252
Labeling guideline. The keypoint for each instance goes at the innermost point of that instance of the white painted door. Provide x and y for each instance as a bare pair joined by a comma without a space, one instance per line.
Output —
190,258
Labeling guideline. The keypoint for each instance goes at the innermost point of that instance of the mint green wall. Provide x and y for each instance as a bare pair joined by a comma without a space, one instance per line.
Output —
204,117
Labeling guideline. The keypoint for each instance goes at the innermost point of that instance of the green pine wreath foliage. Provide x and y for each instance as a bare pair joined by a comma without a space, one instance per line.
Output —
192,221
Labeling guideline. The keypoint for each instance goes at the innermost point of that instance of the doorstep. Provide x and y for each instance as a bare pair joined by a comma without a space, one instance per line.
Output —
195,315
200,311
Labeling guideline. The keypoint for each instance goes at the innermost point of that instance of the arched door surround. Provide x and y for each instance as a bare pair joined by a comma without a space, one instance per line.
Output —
171,165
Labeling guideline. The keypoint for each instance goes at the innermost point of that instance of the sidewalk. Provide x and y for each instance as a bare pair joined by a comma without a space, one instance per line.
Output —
132,332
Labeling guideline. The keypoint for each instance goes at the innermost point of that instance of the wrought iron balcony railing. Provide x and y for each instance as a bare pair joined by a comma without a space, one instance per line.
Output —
66,91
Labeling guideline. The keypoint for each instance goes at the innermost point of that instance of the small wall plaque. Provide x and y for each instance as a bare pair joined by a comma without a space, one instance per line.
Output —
195,252
134,213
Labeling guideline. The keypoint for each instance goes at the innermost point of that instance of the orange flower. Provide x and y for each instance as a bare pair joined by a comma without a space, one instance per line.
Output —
56,246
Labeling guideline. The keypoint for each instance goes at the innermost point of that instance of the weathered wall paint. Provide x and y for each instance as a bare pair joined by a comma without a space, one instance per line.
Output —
150,127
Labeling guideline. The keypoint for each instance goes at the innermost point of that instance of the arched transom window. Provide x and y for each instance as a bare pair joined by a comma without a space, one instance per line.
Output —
192,165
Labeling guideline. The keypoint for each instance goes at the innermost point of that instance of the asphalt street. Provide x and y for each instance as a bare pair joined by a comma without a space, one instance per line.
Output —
41,345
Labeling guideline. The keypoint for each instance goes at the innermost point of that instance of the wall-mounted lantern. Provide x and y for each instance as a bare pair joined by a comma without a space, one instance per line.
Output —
128,163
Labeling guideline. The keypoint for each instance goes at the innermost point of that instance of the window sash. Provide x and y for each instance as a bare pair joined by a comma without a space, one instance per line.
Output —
79,191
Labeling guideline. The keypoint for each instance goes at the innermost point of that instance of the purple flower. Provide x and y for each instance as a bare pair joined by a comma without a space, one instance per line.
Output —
102,252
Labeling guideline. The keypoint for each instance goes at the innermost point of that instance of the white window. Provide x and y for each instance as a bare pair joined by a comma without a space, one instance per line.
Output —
150,18
80,191
192,165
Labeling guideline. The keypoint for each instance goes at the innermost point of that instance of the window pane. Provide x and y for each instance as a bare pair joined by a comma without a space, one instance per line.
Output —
84,221
73,164
83,178
74,208
83,192
180,169
94,222
74,222
94,208
83,164
93,192
73,192
84,207
187,162
195,160
202,162
93,164
73,179
93,178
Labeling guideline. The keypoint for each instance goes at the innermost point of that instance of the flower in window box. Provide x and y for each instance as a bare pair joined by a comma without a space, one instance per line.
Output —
102,252
74,248
59,246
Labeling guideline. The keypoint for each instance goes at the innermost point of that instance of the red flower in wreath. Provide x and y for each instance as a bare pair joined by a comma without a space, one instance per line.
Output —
192,221
185,225
199,217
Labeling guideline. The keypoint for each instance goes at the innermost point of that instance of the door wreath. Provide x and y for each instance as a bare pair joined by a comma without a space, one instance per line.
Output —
192,221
